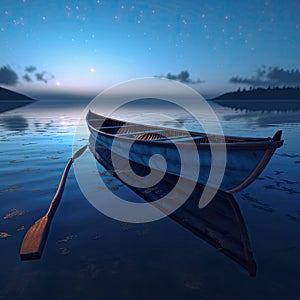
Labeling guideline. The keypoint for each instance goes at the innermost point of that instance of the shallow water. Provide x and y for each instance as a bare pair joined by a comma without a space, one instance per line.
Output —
89,255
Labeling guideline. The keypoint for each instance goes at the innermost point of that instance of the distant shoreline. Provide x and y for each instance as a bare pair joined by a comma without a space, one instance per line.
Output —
276,93
261,104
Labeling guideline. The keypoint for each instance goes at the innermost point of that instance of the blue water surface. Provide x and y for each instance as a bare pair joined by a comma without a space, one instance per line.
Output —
91,256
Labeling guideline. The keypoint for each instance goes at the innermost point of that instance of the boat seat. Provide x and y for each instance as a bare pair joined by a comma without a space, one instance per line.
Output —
141,132
171,137
119,126
184,138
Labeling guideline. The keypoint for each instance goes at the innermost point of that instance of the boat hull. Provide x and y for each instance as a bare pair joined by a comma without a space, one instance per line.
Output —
245,159
240,164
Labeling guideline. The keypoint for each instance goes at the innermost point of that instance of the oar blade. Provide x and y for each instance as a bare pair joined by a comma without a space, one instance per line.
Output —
79,152
34,240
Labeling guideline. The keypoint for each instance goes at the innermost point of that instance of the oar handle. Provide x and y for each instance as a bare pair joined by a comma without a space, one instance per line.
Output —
56,199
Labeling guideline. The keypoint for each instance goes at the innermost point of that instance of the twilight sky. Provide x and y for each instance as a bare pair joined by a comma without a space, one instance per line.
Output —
85,46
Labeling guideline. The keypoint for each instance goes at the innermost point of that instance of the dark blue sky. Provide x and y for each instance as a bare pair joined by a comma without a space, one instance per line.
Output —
84,46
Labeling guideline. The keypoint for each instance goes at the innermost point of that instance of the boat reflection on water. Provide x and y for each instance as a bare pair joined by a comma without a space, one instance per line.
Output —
220,223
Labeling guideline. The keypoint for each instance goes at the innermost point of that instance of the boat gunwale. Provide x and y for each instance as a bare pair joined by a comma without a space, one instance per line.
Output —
241,144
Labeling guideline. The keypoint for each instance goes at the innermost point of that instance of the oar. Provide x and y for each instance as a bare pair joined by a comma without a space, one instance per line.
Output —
35,238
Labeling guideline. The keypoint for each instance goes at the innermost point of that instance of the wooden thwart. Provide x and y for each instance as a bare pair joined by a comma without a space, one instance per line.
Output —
140,132
118,126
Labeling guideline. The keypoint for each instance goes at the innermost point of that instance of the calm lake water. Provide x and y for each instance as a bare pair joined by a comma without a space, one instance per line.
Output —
90,256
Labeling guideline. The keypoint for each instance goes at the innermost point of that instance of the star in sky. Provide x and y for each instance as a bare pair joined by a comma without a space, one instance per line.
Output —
214,40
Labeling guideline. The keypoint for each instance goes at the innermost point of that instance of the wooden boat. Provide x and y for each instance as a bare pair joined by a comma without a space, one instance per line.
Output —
219,224
246,157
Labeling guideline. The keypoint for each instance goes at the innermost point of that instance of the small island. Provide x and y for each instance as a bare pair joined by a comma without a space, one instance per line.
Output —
270,93
6,94
10,100
267,99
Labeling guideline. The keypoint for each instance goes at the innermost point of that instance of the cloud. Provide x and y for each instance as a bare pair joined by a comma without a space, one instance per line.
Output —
27,78
183,77
8,76
30,69
40,77
271,76
285,76
43,76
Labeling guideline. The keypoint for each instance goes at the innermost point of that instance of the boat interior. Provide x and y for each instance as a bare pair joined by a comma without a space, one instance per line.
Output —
156,133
